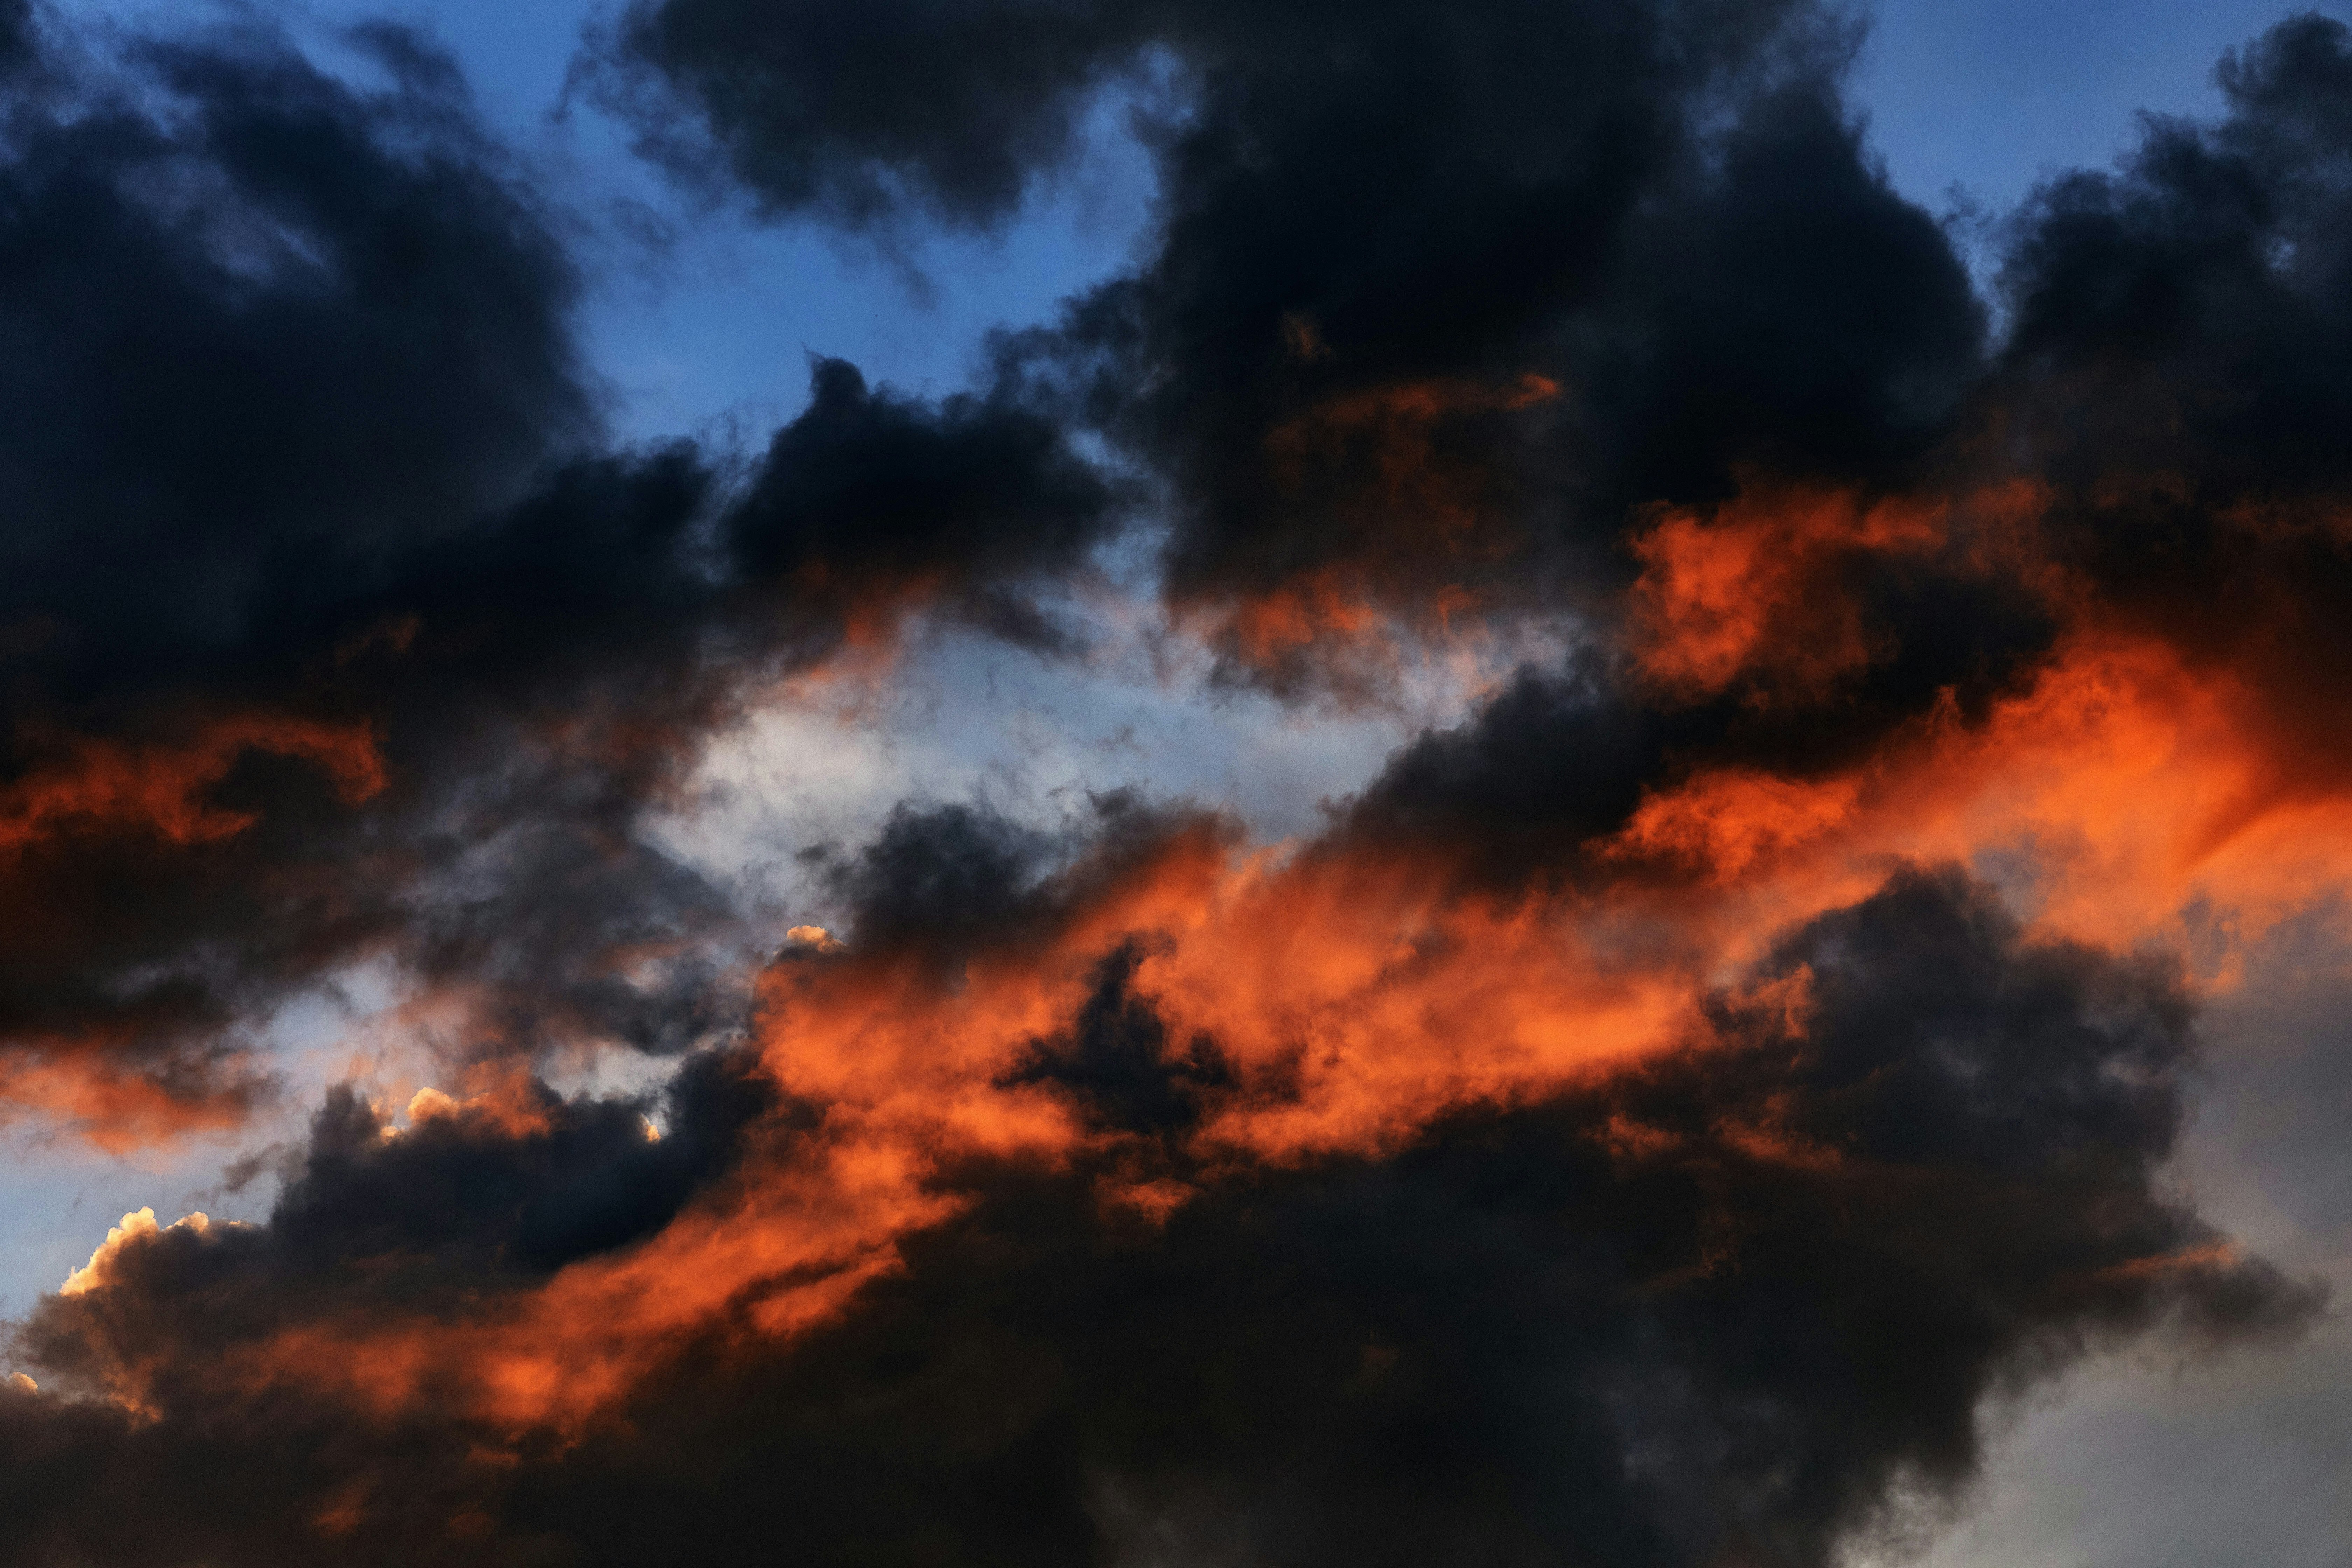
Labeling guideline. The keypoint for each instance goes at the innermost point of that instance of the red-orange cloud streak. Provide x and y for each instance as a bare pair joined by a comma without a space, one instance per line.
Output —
1358,991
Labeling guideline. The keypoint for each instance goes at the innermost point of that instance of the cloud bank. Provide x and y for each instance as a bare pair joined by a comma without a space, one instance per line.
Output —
1647,1122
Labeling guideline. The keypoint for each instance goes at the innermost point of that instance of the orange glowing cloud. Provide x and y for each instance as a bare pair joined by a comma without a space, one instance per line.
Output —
116,1102
2136,777
1317,612
1356,996
1741,591
104,786
1753,593
1357,992
2126,788
1359,989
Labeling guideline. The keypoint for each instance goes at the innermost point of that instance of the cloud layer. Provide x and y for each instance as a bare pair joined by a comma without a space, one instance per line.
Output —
1648,1120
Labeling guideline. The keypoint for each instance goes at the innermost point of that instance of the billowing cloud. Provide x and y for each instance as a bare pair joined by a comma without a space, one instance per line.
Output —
1721,1302
1648,1120
333,627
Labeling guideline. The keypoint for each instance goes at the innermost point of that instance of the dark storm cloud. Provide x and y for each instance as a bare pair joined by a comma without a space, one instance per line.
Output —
1729,1302
2212,261
275,338
977,499
858,114
457,1209
330,627
1551,762
1369,252
941,884
943,879
1434,294
1119,1065
460,1198
2179,373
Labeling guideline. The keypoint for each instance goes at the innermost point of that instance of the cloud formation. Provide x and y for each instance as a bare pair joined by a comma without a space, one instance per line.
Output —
336,630
1719,1303
1649,1121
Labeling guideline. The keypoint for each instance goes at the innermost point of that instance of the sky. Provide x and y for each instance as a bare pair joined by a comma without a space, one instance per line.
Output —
1156,782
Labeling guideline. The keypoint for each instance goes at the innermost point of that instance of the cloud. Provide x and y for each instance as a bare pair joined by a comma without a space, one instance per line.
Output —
1649,1120
335,627
1727,1300
1431,297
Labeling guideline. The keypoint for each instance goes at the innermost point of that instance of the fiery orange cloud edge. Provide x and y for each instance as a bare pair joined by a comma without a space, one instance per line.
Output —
159,789
157,793
1380,995
156,797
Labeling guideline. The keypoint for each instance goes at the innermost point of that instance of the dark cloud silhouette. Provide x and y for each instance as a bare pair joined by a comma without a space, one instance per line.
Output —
949,110
2177,373
976,500
1118,1063
1725,1301
1434,296
461,1197
330,625
945,880
1553,761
